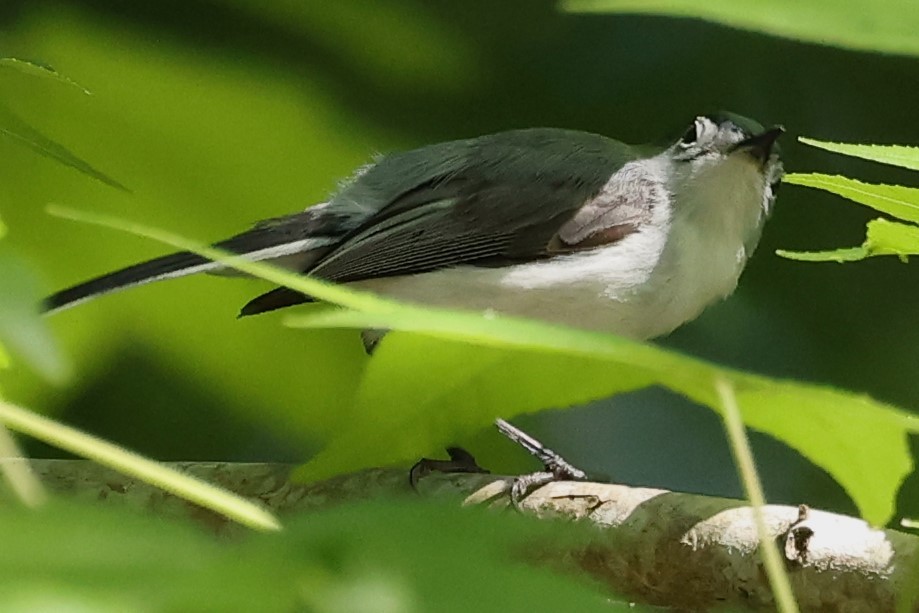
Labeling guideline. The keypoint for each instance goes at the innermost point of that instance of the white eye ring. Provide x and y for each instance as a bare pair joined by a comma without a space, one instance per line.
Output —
691,135
695,133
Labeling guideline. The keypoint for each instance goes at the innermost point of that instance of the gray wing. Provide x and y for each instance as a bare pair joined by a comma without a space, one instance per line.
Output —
488,200
453,228
509,198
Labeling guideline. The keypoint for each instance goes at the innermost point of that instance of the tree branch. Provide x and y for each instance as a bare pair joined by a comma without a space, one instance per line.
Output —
653,546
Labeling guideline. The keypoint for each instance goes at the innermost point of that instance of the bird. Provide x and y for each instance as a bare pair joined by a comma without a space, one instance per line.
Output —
564,226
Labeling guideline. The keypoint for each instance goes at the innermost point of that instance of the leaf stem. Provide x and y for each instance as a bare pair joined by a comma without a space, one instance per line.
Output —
746,470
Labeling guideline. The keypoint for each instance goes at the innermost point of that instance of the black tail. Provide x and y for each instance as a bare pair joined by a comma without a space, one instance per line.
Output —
295,241
166,267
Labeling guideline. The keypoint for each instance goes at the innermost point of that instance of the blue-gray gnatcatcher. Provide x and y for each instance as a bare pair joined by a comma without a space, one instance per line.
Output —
558,225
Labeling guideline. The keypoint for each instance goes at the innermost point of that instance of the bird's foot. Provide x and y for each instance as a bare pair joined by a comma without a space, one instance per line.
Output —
461,461
556,468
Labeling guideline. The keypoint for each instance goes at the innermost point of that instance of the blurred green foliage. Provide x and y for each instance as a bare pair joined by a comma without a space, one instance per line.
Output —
21,328
20,325
387,557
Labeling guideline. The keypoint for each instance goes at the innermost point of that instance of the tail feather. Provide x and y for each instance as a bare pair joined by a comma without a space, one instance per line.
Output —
258,244
166,267
294,241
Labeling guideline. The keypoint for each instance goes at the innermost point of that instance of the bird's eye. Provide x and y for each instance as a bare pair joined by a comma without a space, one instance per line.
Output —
691,135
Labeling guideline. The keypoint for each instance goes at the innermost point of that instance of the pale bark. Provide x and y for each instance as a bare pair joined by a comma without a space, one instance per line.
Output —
652,546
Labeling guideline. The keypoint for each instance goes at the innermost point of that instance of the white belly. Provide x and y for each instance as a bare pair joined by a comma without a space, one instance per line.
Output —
640,287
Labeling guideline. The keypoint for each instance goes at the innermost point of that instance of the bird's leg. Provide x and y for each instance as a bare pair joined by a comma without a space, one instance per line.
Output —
555,467
461,461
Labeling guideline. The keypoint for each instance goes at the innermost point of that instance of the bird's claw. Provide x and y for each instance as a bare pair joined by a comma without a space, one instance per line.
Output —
461,461
556,468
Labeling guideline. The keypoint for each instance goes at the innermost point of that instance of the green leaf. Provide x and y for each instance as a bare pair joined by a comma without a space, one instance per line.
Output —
896,200
884,237
418,394
848,254
887,237
797,413
17,130
848,435
36,69
895,155
791,412
858,24
21,327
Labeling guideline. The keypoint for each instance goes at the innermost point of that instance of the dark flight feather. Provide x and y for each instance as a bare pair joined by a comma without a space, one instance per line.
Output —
271,234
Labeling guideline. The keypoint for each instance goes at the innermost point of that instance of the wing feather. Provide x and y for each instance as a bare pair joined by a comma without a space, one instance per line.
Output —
492,201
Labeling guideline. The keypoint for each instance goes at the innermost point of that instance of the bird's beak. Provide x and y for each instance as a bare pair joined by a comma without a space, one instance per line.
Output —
760,145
